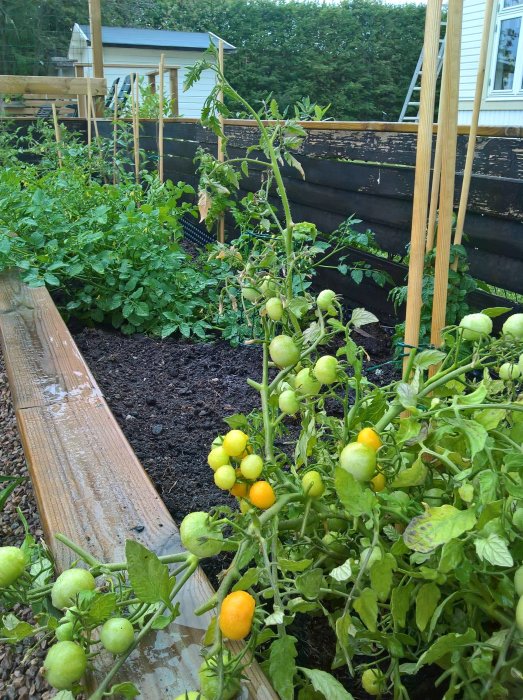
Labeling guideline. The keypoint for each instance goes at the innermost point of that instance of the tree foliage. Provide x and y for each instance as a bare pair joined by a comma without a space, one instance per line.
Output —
358,55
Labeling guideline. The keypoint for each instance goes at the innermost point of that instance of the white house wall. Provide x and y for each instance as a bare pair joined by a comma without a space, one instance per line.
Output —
190,102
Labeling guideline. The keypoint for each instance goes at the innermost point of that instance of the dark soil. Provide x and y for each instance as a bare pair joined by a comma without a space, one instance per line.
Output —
170,398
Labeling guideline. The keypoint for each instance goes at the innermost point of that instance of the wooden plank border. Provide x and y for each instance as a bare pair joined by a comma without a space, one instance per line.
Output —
88,482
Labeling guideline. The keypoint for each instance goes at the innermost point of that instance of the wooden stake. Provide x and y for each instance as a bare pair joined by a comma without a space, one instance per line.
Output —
89,103
422,177
221,222
115,140
449,124
95,23
57,134
136,125
160,116
95,122
469,160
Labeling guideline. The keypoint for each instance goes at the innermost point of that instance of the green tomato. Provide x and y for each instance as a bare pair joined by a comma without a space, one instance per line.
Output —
509,371
117,635
274,308
513,326
250,294
306,384
433,497
332,311
64,633
69,584
251,467
12,565
217,458
325,299
475,325
325,369
518,581
64,664
283,351
198,537
359,460
312,484
370,680
519,614
269,288
338,546
288,402
225,477
209,681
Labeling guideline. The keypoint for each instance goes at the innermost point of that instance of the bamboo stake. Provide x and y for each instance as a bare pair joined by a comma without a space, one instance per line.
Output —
221,222
95,122
89,101
471,145
422,176
115,131
160,117
57,134
449,124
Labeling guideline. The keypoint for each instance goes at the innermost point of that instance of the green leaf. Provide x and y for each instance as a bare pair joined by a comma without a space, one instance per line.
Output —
14,630
366,605
326,684
362,317
447,644
291,565
494,549
101,607
356,499
427,358
412,476
494,311
426,601
5,493
400,603
407,396
343,572
51,279
489,418
309,584
381,576
282,666
249,578
128,690
148,576
451,556
474,433
436,526
298,306
63,695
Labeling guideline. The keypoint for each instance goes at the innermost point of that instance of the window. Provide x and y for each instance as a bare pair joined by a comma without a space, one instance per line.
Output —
506,79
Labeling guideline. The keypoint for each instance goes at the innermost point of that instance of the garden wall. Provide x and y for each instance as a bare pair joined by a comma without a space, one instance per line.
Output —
367,169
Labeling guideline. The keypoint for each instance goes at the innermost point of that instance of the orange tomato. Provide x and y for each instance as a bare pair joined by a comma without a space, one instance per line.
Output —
236,615
262,495
369,437
378,482
239,490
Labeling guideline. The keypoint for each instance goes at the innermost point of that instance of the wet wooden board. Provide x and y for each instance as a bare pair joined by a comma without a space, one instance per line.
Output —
89,484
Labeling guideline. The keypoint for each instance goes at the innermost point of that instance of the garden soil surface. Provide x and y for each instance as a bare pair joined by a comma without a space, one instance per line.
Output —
170,398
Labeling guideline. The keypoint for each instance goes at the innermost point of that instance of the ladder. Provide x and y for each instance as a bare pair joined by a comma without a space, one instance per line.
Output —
410,109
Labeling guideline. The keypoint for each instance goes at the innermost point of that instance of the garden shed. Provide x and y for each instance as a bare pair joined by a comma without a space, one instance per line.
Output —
503,90
128,50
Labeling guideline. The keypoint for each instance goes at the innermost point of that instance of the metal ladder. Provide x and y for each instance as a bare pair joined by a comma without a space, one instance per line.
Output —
415,83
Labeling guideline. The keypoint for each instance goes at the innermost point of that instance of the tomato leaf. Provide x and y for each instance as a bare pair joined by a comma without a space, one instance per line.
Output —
326,684
427,358
426,601
366,605
309,584
101,607
436,526
356,499
400,603
446,644
381,576
494,311
282,666
343,572
412,476
148,576
249,578
128,690
494,549
362,317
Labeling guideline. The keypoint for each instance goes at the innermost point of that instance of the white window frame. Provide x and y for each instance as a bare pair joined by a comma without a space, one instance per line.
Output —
516,93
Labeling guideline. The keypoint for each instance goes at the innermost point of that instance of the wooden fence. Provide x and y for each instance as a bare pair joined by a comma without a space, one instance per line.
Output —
367,170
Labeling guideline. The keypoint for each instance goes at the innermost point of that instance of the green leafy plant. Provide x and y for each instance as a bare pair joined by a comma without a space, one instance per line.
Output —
12,482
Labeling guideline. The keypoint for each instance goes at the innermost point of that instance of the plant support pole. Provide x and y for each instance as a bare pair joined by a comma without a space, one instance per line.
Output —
89,129
115,134
221,222
449,124
422,177
471,145
161,70
136,125
57,134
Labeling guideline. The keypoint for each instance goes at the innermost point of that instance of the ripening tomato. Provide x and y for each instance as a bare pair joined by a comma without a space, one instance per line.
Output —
378,482
262,495
235,442
369,437
326,369
239,490
306,384
236,615
225,477
217,458
274,309
359,460
370,680
312,484
325,299
199,537
251,467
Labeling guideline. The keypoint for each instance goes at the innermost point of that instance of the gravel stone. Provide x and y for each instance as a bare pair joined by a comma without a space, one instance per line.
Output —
20,678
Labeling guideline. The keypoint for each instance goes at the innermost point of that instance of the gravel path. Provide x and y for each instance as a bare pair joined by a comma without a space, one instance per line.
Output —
19,679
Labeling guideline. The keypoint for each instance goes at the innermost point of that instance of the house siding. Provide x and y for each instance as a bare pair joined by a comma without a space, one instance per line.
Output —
190,103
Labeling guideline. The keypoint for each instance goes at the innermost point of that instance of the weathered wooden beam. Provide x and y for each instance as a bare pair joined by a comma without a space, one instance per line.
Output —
50,85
